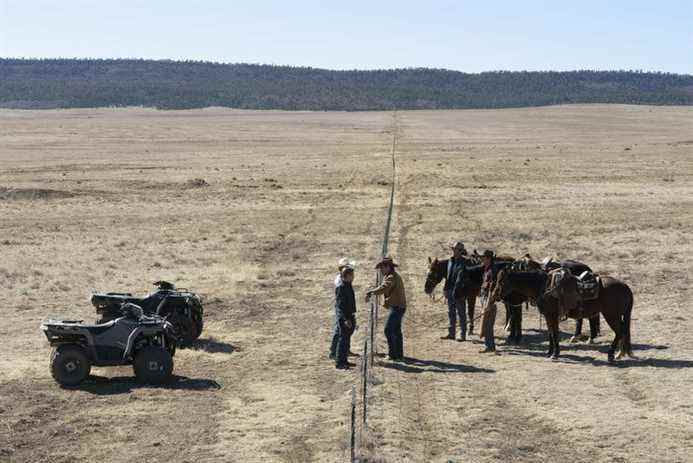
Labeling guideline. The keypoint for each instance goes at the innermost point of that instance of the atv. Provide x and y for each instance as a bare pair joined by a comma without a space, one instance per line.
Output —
181,307
147,343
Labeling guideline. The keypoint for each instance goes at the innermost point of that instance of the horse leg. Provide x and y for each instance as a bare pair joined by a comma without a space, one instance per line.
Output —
508,317
594,327
471,302
549,331
555,335
578,331
517,323
615,323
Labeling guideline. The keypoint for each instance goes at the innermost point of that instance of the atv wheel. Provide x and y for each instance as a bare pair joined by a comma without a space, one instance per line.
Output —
198,325
70,364
187,331
153,365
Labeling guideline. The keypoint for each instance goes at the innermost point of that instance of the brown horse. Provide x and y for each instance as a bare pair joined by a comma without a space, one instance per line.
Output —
437,272
556,294
576,268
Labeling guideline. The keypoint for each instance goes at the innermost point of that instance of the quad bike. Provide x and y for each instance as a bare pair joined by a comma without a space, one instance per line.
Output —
146,343
181,308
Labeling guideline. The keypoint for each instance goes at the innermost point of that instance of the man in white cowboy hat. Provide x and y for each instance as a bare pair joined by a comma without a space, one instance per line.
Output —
341,265
395,301
453,281
345,309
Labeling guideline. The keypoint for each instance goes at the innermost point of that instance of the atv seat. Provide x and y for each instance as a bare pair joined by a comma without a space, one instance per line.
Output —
66,326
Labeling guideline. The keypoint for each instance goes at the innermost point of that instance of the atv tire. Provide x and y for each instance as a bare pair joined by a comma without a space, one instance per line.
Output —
70,364
153,365
198,324
187,329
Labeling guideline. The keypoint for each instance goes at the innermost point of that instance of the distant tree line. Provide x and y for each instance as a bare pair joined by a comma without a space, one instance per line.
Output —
74,83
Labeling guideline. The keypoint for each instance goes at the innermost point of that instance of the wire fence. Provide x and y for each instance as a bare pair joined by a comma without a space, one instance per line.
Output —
358,424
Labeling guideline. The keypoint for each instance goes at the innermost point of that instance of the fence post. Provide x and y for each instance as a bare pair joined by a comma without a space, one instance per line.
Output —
353,424
364,385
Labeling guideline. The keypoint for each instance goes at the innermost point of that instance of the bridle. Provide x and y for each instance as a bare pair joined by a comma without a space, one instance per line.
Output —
432,280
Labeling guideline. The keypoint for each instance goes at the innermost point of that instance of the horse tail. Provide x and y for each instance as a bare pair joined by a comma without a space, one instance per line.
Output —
626,346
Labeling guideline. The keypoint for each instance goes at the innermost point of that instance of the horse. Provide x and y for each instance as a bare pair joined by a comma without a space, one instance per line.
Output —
577,269
437,272
615,303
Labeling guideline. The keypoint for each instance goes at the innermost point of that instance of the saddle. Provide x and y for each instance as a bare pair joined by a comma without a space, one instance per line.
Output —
588,286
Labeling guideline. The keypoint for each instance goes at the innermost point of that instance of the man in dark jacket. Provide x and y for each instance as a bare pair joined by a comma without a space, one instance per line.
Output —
345,308
454,281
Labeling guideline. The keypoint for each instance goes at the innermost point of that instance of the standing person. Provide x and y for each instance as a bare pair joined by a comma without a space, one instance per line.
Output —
454,281
345,309
396,304
487,286
343,262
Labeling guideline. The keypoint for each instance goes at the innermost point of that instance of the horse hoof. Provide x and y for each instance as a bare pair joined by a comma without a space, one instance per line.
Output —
619,356
573,339
592,341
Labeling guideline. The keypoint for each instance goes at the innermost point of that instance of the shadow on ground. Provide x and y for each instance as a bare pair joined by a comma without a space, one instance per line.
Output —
413,365
100,385
213,346
532,346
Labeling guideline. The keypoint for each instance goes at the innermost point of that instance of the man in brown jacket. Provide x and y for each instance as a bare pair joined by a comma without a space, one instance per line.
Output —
395,302
487,287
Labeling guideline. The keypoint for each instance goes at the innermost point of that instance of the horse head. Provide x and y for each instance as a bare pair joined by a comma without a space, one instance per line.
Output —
433,276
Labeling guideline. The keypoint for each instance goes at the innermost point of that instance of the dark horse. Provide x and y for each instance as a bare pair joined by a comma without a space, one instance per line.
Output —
437,272
556,293
577,269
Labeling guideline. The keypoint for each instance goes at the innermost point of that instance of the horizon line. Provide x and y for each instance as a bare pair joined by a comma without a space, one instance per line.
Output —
411,68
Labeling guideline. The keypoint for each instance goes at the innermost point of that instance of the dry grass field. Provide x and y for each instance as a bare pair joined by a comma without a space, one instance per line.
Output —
107,199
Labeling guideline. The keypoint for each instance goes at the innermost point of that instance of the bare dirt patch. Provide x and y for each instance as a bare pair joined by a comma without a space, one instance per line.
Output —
287,194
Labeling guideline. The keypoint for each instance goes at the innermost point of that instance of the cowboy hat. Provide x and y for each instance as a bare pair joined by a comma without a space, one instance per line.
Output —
488,253
457,245
386,261
344,262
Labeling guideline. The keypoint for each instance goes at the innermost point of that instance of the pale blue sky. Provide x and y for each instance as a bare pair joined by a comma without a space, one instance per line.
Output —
470,36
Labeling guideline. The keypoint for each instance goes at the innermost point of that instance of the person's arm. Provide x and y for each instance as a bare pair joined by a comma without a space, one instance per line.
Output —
384,287
340,305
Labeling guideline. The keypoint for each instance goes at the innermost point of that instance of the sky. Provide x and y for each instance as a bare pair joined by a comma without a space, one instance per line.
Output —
464,35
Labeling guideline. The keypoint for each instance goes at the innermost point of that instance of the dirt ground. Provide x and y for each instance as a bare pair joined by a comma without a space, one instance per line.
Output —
110,199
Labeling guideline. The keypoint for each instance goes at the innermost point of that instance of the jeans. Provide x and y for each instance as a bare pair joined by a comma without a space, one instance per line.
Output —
456,309
393,332
489,339
344,333
335,336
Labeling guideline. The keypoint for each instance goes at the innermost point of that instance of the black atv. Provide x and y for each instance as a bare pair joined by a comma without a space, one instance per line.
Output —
146,343
179,306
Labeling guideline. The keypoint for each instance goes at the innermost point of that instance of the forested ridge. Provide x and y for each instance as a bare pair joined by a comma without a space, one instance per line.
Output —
69,83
